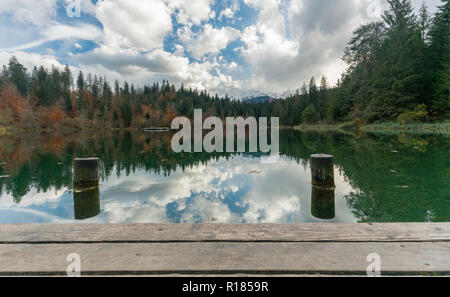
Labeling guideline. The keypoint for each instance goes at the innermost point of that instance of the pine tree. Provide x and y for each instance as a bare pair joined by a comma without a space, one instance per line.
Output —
424,21
42,90
67,82
81,87
439,60
310,115
17,74
107,94
116,88
397,83
323,97
313,93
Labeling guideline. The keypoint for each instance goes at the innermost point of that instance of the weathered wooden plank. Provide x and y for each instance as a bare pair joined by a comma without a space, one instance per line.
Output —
226,257
41,233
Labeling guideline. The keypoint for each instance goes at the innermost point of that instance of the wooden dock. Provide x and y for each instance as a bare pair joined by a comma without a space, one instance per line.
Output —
225,249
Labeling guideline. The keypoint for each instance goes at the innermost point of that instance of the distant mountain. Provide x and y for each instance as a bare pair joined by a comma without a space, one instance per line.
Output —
259,99
258,96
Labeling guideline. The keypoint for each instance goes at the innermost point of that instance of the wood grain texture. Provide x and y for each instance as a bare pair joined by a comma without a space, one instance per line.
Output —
86,233
226,258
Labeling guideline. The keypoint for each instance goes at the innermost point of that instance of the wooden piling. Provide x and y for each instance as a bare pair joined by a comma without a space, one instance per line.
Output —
323,203
86,203
85,172
322,171
86,191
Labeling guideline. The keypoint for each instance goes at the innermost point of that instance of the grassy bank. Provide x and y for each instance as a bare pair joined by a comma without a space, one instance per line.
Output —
59,129
419,128
424,128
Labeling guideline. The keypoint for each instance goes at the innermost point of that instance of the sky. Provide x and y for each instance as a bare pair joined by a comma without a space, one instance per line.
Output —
235,47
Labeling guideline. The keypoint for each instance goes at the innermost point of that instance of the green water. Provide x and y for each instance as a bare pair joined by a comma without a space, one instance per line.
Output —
394,178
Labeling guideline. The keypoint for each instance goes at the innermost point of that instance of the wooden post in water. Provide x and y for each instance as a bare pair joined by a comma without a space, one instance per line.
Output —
323,187
322,171
86,203
322,203
86,191
85,172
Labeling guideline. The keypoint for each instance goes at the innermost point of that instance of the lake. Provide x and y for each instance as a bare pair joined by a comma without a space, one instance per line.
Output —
379,178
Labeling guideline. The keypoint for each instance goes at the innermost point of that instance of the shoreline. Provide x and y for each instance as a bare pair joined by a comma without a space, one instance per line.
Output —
420,128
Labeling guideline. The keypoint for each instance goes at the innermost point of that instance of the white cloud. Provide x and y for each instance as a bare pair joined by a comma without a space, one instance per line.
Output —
56,31
227,13
179,50
36,12
142,68
87,7
209,41
230,11
139,24
29,60
294,40
290,41
192,12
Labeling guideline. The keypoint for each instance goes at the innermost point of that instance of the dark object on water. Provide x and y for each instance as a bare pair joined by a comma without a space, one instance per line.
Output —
323,203
322,192
85,172
322,171
86,203
157,129
86,191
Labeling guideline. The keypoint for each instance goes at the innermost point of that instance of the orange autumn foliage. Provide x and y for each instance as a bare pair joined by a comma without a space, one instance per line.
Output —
50,116
12,100
169,115
53,144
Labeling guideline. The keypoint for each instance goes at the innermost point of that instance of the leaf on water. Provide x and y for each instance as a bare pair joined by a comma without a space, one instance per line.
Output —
255,172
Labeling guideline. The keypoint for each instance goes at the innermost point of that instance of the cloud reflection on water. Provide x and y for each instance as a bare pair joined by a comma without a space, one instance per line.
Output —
237,190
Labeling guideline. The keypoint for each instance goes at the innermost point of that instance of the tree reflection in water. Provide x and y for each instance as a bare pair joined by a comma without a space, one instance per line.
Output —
396,178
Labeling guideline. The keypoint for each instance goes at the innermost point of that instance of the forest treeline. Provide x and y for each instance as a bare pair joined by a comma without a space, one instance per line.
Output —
398,70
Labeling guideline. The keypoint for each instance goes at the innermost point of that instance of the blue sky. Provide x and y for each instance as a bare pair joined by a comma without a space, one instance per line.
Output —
238,47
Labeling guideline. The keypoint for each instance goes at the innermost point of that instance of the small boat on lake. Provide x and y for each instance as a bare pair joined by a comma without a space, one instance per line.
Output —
157,129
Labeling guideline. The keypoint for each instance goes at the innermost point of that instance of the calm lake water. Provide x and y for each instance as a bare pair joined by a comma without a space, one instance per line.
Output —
393,178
